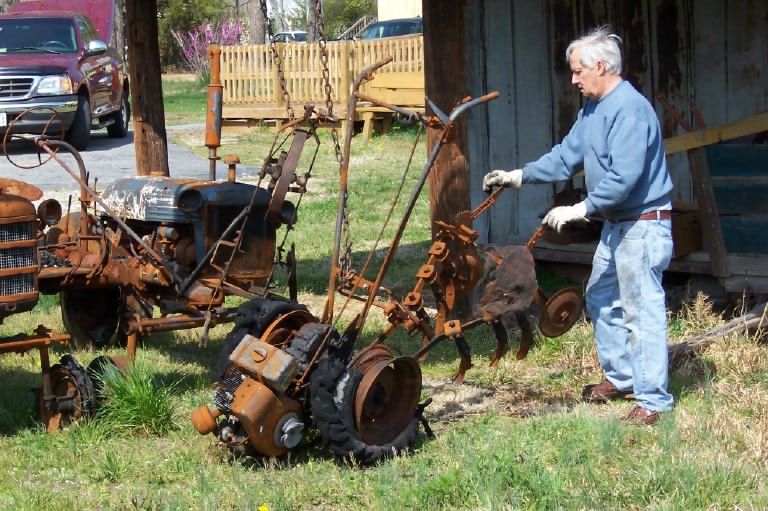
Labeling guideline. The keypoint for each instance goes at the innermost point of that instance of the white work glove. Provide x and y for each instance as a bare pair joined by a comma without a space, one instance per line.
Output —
561,215
512,178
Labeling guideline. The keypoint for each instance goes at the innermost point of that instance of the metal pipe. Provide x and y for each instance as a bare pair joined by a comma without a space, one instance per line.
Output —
214,112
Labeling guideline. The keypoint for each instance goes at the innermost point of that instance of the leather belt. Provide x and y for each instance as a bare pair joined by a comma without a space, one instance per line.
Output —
659,214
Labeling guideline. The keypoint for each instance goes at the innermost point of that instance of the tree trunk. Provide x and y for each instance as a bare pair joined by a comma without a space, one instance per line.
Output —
312,20
146,88
118,39
257,33
448,184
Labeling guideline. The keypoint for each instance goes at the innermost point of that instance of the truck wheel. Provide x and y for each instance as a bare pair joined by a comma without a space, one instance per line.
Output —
120,127
93,317
80,132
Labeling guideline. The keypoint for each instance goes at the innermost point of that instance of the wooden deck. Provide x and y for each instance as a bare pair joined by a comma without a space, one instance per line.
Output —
252,89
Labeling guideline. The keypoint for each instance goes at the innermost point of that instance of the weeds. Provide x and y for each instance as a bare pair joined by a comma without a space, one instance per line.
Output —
134,402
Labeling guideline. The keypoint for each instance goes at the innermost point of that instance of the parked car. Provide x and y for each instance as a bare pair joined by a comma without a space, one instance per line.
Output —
293,36
392,28
57,61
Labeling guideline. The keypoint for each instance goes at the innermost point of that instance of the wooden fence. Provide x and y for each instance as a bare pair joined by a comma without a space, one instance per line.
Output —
252,83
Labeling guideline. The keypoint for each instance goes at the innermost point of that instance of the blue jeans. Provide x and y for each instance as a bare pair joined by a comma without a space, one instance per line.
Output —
625,300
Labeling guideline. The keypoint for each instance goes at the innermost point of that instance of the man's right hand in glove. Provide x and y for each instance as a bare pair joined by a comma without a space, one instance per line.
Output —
511,178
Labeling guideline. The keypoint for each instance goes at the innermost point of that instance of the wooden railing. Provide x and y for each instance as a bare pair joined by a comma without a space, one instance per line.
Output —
252,82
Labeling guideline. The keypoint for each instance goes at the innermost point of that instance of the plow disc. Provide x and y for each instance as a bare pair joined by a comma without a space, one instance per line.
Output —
561,312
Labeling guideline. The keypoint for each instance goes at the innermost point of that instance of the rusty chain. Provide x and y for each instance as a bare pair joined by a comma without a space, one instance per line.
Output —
278,61
345,259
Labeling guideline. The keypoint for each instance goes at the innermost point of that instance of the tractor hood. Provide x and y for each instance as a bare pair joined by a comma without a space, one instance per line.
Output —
100,12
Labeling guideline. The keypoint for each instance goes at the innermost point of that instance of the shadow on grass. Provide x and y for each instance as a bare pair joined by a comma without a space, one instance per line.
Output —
18,407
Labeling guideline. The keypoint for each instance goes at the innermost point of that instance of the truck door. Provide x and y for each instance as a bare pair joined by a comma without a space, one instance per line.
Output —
97,68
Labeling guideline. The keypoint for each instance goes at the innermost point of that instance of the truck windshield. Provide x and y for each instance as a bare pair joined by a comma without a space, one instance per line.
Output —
51,35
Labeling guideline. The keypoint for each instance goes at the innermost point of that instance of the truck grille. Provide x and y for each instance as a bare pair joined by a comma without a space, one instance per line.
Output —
15,87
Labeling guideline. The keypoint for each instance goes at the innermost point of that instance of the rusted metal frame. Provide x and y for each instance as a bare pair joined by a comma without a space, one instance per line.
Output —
28,343
447,126
366,74
447,334
355,279
196,272
44,144
180,322
410,114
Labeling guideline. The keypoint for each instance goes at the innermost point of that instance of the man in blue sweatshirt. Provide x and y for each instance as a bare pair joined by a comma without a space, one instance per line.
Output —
618,142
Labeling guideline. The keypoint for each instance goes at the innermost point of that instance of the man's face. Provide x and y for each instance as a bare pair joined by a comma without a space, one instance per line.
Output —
589,81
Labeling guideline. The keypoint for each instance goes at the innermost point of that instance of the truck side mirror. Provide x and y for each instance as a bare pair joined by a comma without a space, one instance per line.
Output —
96,46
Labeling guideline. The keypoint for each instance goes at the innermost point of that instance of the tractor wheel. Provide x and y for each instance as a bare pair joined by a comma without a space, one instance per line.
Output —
340,397
93,317
72,391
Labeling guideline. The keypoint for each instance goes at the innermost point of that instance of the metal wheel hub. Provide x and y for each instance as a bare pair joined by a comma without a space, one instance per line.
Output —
387,395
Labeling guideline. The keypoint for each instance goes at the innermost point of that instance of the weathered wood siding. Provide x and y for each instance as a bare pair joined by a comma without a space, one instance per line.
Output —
708,53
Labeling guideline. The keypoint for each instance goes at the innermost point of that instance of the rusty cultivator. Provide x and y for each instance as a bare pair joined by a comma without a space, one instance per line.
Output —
283,370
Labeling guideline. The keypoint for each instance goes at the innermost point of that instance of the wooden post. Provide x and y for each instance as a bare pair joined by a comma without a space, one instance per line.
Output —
342,53
709,217
448,181
146,88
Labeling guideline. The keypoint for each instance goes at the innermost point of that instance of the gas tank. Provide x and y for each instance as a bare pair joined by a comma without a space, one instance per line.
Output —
100,12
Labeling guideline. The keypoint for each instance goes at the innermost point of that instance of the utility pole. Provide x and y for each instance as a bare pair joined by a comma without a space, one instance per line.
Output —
146,88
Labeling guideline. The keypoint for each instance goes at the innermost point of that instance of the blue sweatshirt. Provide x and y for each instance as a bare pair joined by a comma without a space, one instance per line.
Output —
618,142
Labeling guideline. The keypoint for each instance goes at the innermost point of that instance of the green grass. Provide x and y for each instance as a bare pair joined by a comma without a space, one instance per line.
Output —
184,100
514,437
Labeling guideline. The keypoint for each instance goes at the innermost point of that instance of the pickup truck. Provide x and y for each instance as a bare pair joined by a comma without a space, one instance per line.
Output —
56,61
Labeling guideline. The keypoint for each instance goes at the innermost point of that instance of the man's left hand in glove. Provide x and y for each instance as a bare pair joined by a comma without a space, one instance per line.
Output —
561,215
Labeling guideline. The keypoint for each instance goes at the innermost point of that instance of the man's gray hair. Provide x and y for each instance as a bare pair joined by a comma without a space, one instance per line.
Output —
598,44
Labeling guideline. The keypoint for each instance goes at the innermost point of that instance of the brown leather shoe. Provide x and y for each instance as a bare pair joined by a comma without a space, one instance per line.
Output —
603,392
641,416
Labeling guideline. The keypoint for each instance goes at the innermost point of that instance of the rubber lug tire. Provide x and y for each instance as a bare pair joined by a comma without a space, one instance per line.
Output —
335,420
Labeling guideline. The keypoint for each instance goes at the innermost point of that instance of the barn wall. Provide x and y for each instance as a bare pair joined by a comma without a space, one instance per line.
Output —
709,53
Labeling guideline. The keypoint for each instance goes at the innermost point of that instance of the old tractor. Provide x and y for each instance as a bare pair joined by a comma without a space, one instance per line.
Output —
284,370
147,253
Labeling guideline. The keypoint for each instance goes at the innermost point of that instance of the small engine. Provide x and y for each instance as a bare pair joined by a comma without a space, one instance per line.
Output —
298,374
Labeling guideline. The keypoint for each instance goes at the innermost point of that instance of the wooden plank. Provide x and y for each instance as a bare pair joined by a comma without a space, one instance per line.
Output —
742,264
533,95
709,217
477,122
740,283
745,23
713,135
745,234
399,80
741,199
745,160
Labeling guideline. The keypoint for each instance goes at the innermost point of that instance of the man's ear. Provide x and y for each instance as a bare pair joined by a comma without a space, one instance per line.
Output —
600,67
